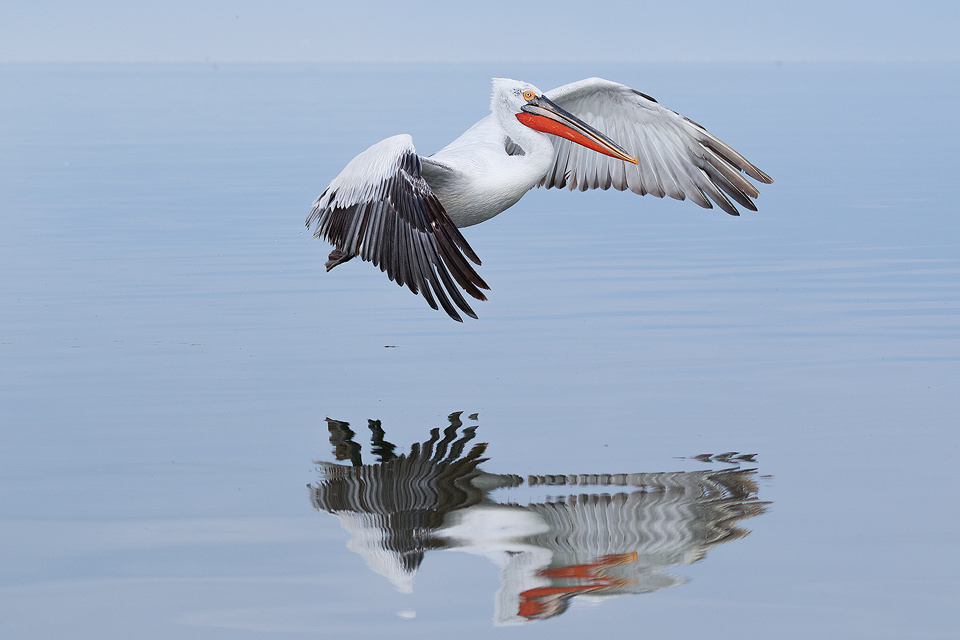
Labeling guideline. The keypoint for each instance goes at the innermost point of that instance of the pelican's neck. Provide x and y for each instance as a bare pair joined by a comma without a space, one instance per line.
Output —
503,107
536,145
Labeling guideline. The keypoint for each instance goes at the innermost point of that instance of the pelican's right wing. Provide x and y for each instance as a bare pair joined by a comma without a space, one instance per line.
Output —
677,157
381,209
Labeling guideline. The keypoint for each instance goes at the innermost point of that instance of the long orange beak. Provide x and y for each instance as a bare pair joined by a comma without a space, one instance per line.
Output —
544,115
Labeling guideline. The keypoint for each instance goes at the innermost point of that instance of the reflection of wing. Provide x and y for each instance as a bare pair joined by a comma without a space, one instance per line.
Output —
394,509
605,544
381,209
712,501
678,157
674,516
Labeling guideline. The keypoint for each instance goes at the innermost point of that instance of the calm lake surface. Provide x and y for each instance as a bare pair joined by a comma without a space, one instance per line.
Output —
185,393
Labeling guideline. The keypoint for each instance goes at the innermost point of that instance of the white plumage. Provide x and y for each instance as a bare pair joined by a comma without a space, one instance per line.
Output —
401,211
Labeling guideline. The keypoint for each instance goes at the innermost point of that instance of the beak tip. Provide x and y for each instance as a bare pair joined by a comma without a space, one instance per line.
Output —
635,161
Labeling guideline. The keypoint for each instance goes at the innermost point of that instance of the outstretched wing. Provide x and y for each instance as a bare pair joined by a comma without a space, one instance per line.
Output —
381,209
678,157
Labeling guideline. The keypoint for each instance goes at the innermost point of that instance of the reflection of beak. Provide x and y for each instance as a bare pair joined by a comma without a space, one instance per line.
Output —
543,115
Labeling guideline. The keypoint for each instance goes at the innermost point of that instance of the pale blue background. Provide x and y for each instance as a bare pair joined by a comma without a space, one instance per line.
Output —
170,344
439,30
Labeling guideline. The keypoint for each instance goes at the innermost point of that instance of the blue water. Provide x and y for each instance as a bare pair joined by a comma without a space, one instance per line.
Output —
171,349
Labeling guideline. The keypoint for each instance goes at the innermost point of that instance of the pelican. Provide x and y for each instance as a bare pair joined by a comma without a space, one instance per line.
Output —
403,211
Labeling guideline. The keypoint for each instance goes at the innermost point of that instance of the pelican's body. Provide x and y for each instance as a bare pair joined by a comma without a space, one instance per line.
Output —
475,178
402,211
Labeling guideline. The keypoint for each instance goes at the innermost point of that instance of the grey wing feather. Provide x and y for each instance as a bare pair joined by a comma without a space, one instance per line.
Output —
381,209
677,157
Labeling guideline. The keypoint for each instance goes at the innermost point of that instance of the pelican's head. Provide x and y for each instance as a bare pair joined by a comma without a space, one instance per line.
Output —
508,95
532,108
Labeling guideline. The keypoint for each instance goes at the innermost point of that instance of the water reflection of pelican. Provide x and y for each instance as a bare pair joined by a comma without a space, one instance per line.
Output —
590,542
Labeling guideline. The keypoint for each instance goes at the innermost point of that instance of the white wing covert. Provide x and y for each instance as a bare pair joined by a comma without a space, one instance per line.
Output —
677,157
381,209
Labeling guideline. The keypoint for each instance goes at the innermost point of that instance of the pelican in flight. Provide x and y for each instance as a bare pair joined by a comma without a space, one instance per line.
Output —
402,211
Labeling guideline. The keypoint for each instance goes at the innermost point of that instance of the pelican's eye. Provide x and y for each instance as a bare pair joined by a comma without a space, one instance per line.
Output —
529,95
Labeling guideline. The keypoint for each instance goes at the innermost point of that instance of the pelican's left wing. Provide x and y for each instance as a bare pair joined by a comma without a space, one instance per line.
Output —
677,157
381,209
